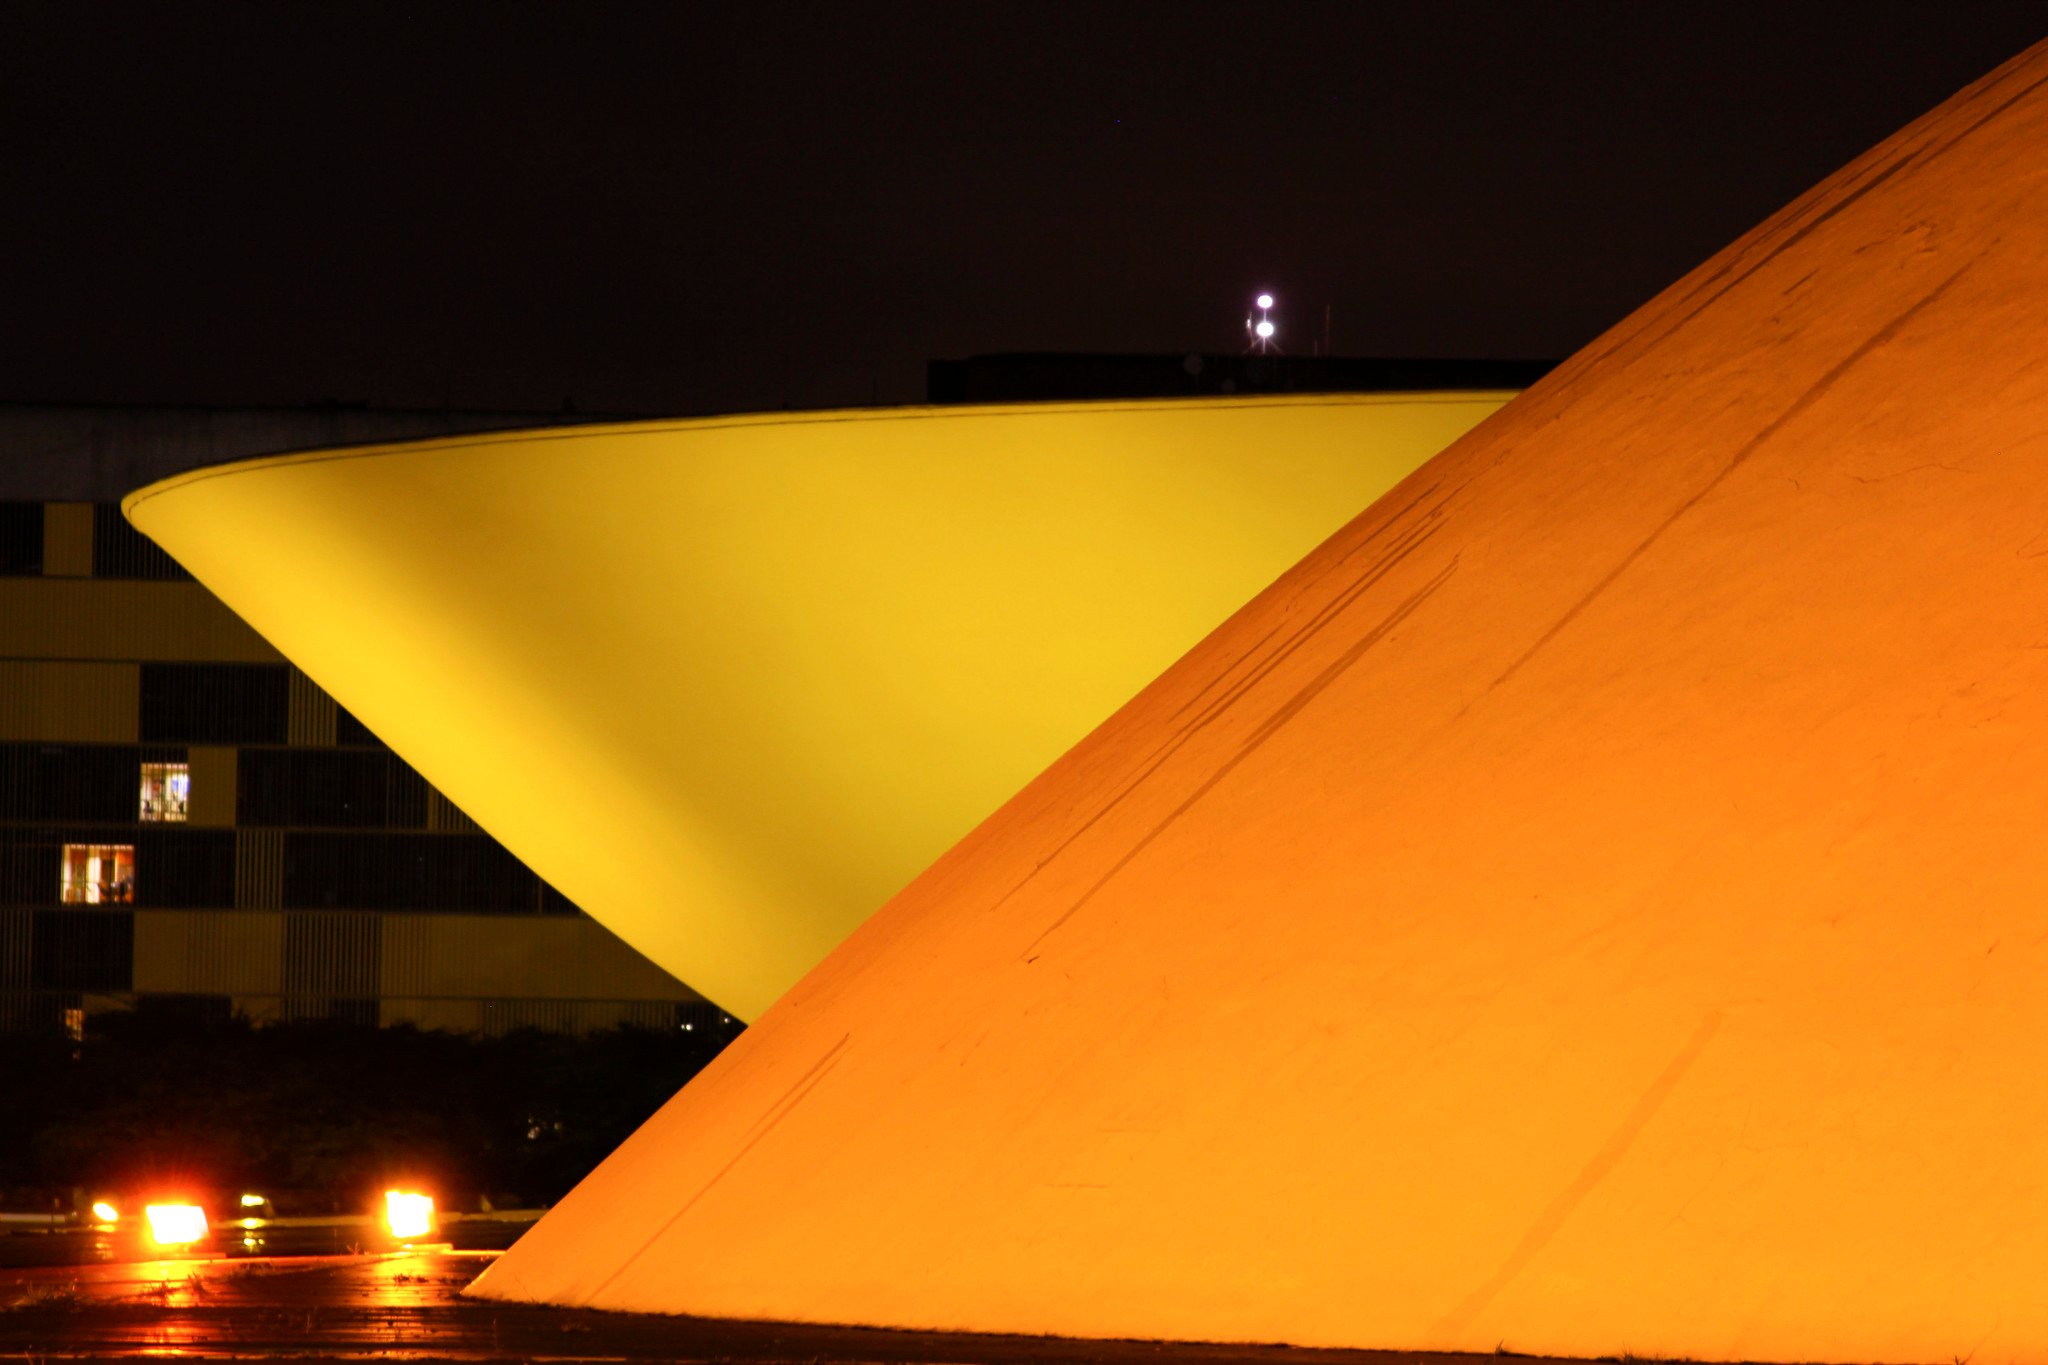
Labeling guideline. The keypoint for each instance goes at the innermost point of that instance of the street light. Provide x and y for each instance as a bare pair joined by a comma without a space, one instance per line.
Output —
408,1213
1262,330
175,1225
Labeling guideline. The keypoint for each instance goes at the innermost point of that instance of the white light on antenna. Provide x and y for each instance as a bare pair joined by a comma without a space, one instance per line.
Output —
1264,329
1265,300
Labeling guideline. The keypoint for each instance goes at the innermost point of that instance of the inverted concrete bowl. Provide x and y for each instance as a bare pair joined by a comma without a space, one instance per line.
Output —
730,683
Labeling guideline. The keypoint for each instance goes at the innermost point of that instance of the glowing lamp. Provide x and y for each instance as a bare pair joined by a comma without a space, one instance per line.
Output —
176,1225
1264,329
408,1215
106,1212
253,1201
1265,300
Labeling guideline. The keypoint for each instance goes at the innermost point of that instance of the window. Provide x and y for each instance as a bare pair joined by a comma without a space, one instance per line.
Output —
166,789
98,874
215,703
21,538
121,551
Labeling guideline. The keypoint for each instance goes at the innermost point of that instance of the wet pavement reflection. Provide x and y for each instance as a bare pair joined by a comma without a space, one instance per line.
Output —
217,1306
407,1305
253,1238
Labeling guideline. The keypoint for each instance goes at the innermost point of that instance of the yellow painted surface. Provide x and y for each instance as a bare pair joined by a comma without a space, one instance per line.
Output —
420,958
535,957
67,539
209,952
1595,903
212,802
100,618
729,684
259,867
59,702
445,817
310,717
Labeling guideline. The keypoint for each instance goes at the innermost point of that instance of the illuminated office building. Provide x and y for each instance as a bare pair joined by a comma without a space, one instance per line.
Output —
187,821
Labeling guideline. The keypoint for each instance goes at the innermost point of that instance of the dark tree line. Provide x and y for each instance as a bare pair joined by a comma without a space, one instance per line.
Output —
320,1116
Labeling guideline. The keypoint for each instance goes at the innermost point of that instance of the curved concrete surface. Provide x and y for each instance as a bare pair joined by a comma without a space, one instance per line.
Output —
730,684
1597,902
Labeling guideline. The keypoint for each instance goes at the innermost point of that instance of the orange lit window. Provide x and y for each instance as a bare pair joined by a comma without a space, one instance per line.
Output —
165,790
98,874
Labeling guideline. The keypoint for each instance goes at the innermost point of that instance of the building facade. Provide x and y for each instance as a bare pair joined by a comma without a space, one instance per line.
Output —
189,822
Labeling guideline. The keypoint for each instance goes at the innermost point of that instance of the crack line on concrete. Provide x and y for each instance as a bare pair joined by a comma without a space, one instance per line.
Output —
770,1117
1405,545
1270,726
1811,395
1559,1209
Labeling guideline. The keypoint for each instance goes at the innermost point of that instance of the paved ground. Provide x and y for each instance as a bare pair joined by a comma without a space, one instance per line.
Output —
298,1237
406,1306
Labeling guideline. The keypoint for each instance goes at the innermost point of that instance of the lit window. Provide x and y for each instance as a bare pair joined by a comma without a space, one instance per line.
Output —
165,790
98,874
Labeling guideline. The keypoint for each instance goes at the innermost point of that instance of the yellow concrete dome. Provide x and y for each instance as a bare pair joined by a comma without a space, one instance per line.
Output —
731,683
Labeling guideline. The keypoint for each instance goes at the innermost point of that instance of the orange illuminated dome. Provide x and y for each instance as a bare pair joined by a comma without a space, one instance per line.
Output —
731,683
1597,901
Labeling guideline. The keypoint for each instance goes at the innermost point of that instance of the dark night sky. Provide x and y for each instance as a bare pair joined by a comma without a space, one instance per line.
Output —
706,208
